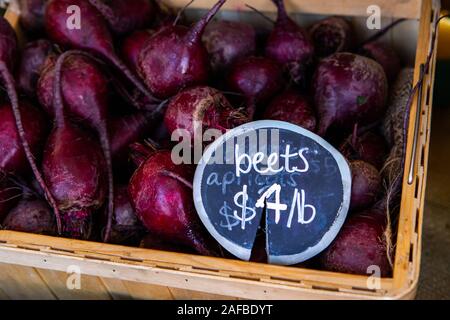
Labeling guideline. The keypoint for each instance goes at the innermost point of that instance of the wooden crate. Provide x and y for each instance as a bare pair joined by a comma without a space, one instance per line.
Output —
34,266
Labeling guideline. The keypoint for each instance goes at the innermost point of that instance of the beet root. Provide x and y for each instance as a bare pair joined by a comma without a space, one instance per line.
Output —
91,34
368,147
162,198
74,169
386,56
175,58
294,108
125,16
8,51
366,185
34,56
349,89
257,78
203,106
227,42
150,241
359,245
12,156
133,45
331,35
32,216
290,45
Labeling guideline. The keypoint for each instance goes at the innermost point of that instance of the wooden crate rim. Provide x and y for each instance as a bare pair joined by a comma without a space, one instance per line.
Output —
406,271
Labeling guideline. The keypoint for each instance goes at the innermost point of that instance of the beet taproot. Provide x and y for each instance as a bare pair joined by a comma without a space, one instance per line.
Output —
332,35
366,185
290,45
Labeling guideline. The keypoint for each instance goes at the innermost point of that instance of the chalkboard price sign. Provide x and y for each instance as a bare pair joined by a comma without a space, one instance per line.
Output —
293,178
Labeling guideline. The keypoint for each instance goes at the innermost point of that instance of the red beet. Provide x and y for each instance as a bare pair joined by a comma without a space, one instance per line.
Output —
386,56
34,56
32,216
161,195
125,16
12,156
368,147
257,78
74,169
126,228
85,93
32,15
175,58
9,195
133,45
204,106
227,42
331,35
349,89
292,107
124,131
366,185
290,45
360,245
92,34
8,53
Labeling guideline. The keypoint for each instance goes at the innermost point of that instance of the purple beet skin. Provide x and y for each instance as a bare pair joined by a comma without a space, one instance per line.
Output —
161,194
366,185
133,45
32,216
203,106
227,42
331,35
290,45
257,78
34,56
125,16
349,89
75,171
12,156
386,56
369,147
359,245
175,58
292,107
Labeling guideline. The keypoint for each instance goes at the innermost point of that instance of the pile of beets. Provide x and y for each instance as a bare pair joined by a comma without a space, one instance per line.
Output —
89,104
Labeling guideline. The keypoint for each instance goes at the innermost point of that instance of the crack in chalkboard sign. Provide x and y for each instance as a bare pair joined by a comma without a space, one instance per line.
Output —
298,189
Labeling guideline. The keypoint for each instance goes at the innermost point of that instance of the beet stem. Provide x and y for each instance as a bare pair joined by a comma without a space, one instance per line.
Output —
382,32
260,13
282,13
12,94
182,10
195,34
134,80
105,11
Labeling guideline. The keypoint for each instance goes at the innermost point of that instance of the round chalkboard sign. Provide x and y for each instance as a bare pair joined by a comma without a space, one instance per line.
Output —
272,170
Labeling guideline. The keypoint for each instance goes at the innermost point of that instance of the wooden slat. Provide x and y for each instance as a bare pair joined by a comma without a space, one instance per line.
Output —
24,283
403,280
145,291
389,8
183,294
